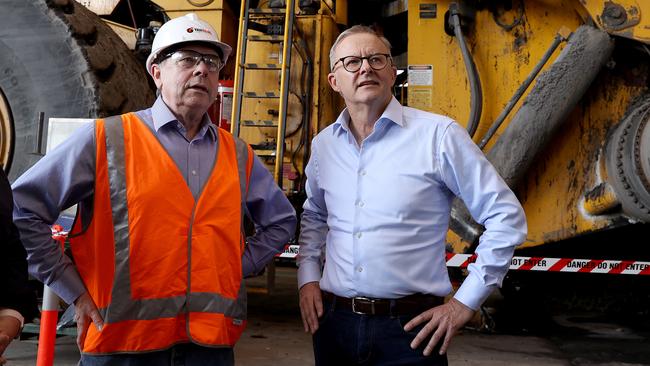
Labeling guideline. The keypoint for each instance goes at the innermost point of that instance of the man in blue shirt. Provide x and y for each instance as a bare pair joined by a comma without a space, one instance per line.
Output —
380,182
185,64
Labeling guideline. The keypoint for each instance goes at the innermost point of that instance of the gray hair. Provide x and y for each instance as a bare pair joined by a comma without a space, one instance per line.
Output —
355,29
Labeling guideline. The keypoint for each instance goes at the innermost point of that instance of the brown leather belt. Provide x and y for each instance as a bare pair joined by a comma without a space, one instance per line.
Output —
408,305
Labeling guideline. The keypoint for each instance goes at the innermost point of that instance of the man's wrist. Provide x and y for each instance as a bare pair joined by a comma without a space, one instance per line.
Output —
308,272
14,314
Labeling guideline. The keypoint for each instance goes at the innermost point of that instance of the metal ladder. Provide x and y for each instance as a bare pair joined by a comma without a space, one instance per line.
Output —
252,25
243,67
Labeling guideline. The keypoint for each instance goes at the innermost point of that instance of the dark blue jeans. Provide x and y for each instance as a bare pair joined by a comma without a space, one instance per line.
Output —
186,354
345,338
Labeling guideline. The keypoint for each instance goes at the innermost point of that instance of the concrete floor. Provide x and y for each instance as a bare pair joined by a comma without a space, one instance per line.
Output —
275,337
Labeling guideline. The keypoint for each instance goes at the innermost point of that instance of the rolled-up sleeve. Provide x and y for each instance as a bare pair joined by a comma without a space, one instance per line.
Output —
471,177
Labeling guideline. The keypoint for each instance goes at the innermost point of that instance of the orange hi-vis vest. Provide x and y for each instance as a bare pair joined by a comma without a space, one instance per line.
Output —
162,267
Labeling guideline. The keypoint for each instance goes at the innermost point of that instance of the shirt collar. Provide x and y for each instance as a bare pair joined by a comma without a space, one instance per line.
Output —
162,116
392,113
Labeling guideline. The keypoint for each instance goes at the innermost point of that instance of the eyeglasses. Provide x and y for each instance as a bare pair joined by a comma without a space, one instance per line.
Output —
378,61
188,59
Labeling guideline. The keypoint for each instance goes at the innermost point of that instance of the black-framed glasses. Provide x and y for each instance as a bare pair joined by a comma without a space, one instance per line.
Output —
378,61
188,59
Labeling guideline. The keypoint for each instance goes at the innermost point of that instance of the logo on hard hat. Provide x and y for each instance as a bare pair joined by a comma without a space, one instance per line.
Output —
195,29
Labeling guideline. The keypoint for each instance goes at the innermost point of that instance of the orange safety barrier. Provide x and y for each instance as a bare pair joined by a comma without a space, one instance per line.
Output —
49,314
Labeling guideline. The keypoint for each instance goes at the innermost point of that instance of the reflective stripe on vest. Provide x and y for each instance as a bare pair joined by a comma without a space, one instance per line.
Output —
181,283
122,306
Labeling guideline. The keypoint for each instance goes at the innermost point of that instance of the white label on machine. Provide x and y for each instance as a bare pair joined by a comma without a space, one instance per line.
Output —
420,75
59,129
100,7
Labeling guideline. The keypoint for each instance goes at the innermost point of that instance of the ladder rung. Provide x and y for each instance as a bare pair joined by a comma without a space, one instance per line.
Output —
261,95
262,66
264,152
260,123
266,11
269,38
257,290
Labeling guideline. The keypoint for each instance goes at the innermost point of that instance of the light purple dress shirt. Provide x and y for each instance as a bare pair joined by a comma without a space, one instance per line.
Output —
66,176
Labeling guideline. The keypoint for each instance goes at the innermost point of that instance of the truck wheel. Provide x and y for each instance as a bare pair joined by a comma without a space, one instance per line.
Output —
59,58
628,161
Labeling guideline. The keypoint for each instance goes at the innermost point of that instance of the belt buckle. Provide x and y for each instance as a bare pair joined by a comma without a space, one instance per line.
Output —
354,305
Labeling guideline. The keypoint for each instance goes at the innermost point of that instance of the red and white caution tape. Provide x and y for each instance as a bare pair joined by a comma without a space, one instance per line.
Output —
561,264
290,251
538,263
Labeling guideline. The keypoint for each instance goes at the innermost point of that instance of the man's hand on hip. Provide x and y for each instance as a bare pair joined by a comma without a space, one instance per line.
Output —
85,312
443,321
9,328
311,306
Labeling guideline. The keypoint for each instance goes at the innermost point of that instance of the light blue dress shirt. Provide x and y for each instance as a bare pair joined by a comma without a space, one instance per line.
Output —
382,209
66,176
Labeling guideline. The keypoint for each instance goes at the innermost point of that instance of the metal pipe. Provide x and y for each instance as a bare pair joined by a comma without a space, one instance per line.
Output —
306,127
38,144
554,96
559,38
476,93
135,24
284,88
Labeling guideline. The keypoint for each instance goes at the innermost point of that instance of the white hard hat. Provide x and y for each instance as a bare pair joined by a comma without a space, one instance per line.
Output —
188,28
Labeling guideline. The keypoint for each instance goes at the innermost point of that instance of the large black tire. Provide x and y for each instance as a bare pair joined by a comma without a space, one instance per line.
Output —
59,58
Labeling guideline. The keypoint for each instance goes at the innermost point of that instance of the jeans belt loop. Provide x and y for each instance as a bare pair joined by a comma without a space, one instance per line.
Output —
354,305
392,308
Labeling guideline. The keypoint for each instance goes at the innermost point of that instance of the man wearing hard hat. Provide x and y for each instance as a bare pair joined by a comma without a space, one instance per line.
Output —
158,244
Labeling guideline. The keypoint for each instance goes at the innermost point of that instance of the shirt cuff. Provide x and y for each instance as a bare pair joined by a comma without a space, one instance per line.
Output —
14,314
308,272
68,286
246,267
472,293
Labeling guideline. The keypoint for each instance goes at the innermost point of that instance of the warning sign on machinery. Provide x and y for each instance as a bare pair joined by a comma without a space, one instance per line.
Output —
420,75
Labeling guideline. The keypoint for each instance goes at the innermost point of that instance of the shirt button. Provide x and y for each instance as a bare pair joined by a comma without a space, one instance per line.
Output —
359,269
362,173
358,235
361,204
193,172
